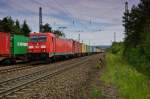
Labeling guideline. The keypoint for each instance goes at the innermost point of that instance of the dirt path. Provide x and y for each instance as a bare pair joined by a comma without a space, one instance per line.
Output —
95,88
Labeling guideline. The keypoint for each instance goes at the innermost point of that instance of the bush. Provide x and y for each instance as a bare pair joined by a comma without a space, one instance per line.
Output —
137,59
117,48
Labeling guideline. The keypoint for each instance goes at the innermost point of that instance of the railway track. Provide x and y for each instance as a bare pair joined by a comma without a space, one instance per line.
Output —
18,67
14,68
13,85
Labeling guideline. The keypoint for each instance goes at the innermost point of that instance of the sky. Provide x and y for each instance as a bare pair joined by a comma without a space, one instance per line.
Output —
95,20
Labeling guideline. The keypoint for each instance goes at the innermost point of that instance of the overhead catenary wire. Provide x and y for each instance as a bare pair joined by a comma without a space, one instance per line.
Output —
74,19
70,14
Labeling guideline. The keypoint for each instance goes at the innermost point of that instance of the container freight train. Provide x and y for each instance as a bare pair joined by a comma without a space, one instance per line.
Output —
40,46
45,46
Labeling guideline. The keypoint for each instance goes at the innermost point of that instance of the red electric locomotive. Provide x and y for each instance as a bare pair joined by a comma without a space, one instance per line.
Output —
48,46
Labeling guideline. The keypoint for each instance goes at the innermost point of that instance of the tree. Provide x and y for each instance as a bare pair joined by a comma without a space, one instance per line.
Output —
25,29
7,24
17,28
46,28
17,24
145,34
137,33
58,33
1,25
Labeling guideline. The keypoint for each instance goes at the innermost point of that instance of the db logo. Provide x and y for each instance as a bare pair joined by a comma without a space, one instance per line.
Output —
37,47
22,44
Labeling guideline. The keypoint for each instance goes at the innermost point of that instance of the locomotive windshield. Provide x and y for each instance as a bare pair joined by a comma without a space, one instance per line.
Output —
36,38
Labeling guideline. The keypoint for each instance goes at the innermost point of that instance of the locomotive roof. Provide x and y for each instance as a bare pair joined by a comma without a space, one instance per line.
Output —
39,33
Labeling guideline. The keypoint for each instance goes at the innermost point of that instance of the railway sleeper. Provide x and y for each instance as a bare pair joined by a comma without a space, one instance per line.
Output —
19,92
11,97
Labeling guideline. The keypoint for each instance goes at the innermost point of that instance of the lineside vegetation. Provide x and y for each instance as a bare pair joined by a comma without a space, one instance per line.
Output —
131,84
137,36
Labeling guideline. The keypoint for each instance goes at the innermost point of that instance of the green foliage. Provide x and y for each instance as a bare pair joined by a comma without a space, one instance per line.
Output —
134,56
137,35
46,28
117,48
96,94
146,40
59,33
25,29
98,66
7,24
138,60
131,84
17,28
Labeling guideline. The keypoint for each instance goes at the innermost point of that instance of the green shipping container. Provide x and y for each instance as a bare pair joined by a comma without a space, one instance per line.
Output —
88,48
19,45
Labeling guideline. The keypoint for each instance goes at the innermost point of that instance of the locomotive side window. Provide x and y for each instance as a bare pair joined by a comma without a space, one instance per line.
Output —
34,38
42,38
38,38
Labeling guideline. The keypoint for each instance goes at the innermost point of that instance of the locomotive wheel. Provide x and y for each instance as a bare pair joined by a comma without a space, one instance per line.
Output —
48,60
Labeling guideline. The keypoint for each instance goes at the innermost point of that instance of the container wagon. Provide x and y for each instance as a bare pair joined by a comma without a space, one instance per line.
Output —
83,49
88,49
13,47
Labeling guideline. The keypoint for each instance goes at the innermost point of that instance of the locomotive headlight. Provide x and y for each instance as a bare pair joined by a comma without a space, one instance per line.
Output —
30,47
43,46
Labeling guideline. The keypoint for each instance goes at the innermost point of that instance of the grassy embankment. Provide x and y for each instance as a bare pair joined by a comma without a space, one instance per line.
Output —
130,83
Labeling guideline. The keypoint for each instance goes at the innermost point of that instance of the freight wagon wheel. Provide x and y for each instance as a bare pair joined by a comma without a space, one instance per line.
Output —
6,61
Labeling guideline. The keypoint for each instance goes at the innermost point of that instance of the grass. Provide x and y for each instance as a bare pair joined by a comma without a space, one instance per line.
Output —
96,94
130,83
